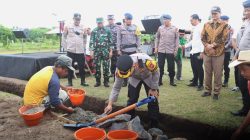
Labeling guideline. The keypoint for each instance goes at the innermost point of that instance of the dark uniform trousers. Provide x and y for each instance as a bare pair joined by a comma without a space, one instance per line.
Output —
226,68
80,59
133,96
243,83
197,67
171,65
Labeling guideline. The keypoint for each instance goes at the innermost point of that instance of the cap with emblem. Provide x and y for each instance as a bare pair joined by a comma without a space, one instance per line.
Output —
99,20
77,16
244,57
66,61
216,9
224,17
166,17
246,4
111,17
128,16
124,65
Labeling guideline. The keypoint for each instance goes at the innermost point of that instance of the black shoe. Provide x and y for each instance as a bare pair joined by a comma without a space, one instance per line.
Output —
192,85
97,84
200,88
70,84
205,94
191,80
173,84
225,84
239,113
106,83
216,97
83,83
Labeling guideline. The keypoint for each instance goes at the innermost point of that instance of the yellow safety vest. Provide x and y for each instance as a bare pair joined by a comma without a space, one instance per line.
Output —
37,87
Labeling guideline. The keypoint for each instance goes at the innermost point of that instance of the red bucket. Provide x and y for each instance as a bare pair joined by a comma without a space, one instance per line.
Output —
31,118
90,133
122,135
76,96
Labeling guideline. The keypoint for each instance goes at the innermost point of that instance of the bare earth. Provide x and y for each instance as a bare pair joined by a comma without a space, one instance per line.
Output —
12,126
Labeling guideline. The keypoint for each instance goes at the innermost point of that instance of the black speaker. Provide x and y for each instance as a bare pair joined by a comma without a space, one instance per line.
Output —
24,33
151,25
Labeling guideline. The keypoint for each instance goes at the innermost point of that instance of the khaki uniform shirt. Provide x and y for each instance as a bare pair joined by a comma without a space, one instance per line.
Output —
74,39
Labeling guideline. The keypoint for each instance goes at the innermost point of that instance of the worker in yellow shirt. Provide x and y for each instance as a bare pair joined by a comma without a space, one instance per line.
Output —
44,87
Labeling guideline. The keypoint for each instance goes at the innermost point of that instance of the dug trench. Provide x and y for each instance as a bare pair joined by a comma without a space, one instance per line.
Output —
173,126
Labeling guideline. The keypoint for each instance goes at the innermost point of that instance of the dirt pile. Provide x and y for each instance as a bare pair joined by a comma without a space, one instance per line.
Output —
12,126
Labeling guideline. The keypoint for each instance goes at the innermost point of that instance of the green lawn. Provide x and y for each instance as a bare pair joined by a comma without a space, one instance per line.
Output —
29,47
183,101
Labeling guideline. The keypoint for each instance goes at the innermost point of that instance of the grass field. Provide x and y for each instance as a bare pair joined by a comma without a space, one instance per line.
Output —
183,101
29,47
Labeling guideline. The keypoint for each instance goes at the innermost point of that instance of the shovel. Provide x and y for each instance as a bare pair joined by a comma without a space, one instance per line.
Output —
112,115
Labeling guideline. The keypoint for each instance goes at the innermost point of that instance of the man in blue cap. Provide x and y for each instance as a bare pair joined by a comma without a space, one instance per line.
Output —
113,29
128,38
243,45
228,48
167,44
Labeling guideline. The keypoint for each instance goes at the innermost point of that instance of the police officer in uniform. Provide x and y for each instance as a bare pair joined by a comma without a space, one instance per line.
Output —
128,38
101,51
74,41
141,70
113,29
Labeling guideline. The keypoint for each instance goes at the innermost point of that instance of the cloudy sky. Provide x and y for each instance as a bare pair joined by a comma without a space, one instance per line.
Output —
46,13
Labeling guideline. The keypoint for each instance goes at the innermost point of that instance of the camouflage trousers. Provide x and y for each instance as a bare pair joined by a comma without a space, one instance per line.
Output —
102,58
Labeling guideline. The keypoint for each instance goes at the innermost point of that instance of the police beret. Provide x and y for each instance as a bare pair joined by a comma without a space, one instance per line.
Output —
124,63
77,16
110,17
128,16
216,9
99,20
246,4
166,16
224,17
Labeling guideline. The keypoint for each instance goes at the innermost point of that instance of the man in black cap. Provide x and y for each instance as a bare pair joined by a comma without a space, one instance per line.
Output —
141,70
196,53
113,29
74,41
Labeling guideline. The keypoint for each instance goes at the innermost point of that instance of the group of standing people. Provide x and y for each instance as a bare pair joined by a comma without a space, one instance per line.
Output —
106,43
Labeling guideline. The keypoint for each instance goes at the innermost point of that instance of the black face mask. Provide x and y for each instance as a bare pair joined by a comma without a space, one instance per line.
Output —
77,33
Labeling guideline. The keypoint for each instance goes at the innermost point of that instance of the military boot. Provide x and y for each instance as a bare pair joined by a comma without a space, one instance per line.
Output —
98,83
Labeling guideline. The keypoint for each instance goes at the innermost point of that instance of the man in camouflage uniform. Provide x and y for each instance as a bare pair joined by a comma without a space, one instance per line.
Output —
113,29
128,39
100,42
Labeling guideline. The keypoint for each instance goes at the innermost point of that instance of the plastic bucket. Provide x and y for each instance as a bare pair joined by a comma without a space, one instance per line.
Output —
122,135
32,118
90,133
76,96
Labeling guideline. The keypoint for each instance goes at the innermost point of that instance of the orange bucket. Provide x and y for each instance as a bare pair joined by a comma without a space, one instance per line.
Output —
90,133
76,96
122,135
31,118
